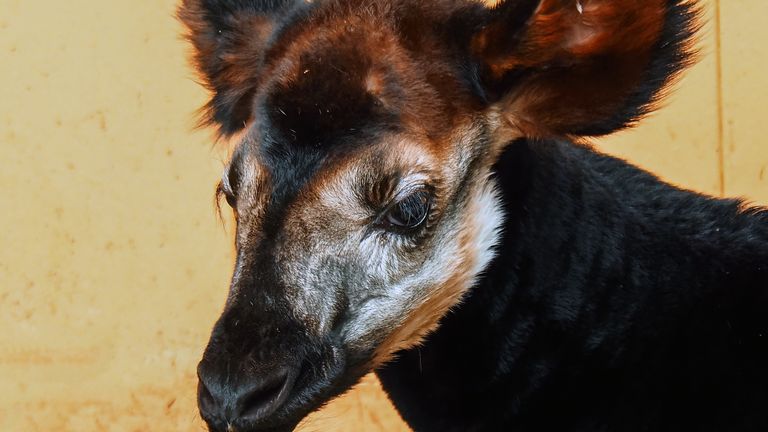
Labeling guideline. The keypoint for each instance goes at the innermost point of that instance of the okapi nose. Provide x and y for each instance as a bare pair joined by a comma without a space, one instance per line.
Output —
248,401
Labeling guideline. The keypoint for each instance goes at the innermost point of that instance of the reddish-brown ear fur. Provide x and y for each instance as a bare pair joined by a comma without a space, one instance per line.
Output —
229,39
584,67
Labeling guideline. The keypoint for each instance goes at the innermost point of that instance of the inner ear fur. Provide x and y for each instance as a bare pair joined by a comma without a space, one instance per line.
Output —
582,68
229,39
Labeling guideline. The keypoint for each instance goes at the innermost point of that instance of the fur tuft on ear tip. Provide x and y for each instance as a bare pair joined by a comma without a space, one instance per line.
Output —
584,67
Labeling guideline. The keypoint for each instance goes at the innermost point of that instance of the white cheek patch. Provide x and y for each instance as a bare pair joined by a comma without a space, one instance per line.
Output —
316,270
487,217
412,307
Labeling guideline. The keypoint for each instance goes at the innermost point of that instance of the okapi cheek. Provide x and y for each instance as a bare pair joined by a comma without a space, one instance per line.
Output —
425,318
477,240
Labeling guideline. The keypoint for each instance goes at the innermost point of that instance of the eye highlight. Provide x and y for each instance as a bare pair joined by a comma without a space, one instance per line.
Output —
409,213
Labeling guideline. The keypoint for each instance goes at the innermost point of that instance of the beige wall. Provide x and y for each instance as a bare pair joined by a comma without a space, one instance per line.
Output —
113,265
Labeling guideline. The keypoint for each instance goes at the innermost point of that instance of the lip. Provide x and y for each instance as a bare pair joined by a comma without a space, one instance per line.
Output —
231,428
263,427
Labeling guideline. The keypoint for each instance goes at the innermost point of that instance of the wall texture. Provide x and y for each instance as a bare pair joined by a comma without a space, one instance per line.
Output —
113,265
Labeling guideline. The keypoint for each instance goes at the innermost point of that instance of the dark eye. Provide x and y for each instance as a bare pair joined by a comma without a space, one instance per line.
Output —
230,200
410,212
228,196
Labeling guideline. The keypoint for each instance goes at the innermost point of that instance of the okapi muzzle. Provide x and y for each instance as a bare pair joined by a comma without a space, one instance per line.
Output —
260,358
250,367
362,178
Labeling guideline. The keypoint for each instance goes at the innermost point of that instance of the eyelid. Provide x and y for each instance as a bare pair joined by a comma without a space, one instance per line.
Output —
224,183
410,185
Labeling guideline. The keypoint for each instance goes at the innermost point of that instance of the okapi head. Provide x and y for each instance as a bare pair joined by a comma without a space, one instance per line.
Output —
362,176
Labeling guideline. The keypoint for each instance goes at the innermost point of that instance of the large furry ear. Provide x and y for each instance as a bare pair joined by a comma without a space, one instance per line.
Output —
229,39
582,67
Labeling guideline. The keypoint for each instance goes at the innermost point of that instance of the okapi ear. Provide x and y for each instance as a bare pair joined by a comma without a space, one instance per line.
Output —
582,67
229,39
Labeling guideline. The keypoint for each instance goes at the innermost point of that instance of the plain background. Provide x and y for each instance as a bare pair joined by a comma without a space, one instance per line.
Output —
113,266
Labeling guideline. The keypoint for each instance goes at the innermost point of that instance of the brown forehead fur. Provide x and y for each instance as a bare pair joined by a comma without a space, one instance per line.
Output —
350,66
394,53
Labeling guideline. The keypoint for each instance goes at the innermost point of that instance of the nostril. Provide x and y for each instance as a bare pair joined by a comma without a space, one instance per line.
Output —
266,397
209,408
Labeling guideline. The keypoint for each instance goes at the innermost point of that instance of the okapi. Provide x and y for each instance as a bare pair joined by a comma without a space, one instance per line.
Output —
415,195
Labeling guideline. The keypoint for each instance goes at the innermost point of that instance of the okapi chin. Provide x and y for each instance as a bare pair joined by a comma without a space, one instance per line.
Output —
414,195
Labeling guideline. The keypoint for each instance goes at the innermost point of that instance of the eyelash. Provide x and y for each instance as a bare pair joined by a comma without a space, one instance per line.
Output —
413,210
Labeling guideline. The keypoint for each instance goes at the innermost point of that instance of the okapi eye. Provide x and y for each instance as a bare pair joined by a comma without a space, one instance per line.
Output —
230,200
409,213
228,196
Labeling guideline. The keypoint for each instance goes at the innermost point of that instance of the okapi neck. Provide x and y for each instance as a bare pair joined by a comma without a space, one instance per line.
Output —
607,288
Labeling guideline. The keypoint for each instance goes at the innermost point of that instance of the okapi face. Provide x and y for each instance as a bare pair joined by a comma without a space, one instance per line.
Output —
361,180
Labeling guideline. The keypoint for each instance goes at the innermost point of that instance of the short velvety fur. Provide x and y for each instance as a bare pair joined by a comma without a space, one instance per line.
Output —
616,303
534,285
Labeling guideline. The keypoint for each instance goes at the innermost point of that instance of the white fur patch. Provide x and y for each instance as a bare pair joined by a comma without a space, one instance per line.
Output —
412,307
